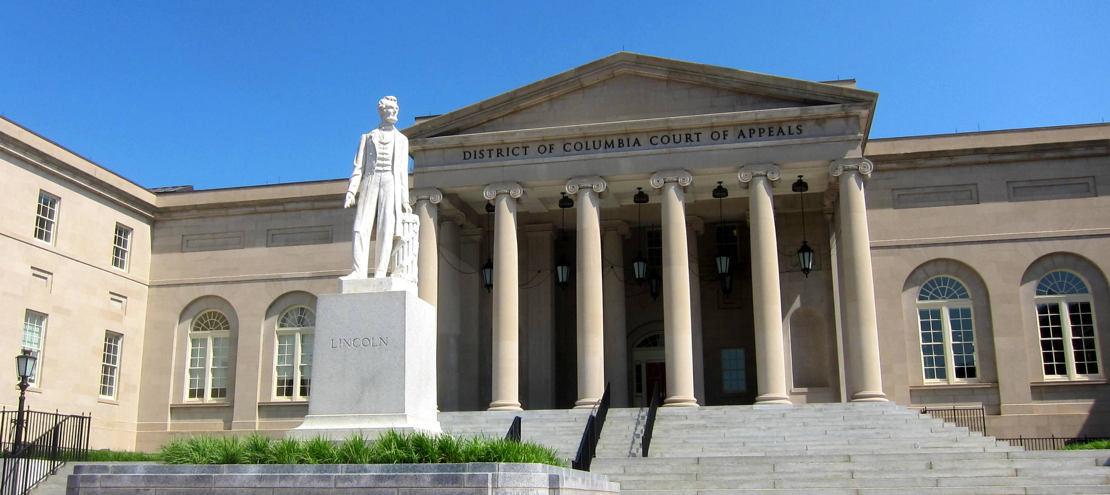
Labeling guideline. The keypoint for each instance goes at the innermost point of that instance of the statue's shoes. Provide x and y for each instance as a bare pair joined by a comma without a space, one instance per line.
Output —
352,276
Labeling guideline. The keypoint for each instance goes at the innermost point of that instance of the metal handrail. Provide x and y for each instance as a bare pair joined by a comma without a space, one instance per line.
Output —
972,418
514,430
587,447
649,425
1048,443
57,438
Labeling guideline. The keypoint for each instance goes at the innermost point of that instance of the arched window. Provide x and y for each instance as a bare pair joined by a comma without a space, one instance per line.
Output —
947,333
1064,308
209,341
293,363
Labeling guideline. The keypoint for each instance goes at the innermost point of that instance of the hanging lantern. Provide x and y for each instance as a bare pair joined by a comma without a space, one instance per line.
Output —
487,269
656,285
562,272
487,274
639,268
566,201
639,263
805,253
805,258
724,261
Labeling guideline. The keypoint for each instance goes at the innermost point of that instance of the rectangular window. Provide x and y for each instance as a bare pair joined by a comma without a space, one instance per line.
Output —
284,379
219,368
932,344
121,247
734,374
293,370
963,343
34,332
109,368
306,364
46,218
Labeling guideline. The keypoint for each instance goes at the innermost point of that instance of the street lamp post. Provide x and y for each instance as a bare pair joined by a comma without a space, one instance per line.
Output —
25,367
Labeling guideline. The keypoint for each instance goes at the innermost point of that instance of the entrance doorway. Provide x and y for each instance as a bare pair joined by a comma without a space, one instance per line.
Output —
648,367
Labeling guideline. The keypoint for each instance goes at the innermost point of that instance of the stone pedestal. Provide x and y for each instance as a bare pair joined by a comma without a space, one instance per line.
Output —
374,362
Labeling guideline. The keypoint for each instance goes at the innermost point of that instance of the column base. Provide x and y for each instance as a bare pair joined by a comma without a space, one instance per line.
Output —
773,399
504,405
869,396
586,403
680,401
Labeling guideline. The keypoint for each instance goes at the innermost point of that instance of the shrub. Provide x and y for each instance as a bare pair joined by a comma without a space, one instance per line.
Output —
118,456
390,448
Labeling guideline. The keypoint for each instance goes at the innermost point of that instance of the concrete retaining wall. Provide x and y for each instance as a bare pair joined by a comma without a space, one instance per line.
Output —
383,479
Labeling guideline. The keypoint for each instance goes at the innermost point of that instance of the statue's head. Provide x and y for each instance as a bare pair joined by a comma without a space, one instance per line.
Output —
387,109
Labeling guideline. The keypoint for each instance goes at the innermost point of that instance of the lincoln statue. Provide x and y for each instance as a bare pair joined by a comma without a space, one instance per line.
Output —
379,188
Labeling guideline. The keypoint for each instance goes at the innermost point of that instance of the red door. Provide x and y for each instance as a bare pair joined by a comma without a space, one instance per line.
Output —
656,372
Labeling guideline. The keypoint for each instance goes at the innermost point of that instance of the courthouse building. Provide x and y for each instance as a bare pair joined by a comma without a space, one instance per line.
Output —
961,269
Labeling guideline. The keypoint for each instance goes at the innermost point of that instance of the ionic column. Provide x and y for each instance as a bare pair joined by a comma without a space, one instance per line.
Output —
770,356
506,315
866,381
427,257
694,227
676,289
591,322
616,330
449,310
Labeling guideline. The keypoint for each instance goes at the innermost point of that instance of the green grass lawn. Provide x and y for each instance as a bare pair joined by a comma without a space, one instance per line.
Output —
1095,445
390,448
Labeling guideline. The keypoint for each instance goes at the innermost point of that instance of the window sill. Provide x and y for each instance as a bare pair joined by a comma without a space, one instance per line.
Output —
201,404
950,386
105,400
284,403
1057,383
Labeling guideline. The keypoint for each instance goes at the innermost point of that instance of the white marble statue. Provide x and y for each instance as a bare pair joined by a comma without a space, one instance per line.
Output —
379,187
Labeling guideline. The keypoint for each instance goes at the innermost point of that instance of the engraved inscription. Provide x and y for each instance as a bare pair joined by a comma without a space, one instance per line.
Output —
355,342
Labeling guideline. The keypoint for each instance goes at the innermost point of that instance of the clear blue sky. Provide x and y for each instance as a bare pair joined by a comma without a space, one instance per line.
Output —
222,94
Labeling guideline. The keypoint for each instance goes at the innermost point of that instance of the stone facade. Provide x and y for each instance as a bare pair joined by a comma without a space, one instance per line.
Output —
993,211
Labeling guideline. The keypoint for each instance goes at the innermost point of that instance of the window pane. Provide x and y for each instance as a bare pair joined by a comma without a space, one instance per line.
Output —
211,321
1083,338
932,344
121,245
219,368
963,347
1052,343
284,372
198,355
109,368
34,325
734,371
655,248
298,317
1061,283
306,364
942,288
45,217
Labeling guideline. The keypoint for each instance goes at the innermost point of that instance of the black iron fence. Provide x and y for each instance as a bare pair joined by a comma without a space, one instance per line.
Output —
1049,443
48,441
972,418
587,448
649,425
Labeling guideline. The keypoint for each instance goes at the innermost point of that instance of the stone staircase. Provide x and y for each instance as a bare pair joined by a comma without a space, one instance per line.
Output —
833,449
560,429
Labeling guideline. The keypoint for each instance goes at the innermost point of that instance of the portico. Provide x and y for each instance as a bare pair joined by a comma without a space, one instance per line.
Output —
673,129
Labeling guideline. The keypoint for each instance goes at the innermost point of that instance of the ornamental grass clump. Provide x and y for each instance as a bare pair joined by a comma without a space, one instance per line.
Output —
390,448
1092,445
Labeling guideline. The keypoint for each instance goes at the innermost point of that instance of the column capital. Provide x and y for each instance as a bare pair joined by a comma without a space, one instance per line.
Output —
861,165
748,173
695,222
432,195
456,216
596,183
682,177
618,226
513,189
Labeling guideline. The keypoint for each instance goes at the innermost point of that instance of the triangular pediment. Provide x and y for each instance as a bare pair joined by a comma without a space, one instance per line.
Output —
628,86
